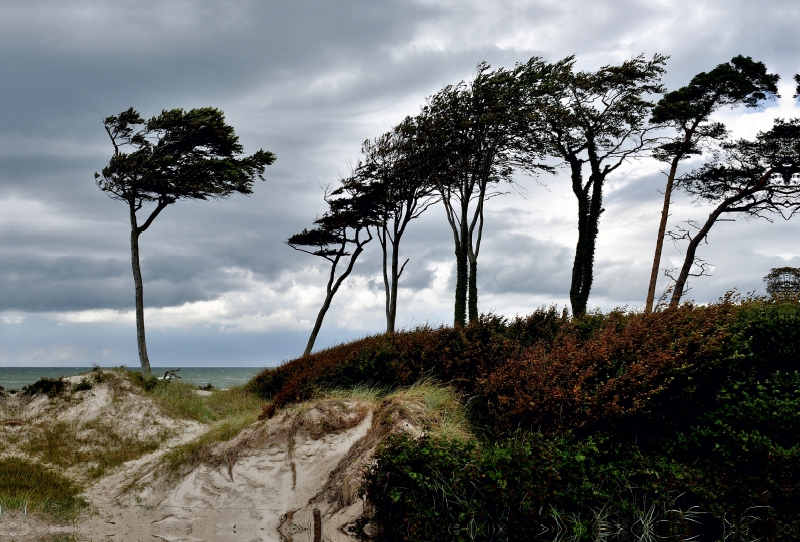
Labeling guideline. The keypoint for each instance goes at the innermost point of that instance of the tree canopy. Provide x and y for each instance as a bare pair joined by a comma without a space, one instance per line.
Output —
688,110
751,178
173,156
597,119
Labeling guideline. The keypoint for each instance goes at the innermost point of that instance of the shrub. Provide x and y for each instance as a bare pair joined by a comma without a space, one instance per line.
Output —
454,355
621,415
49,386
83,385
147,383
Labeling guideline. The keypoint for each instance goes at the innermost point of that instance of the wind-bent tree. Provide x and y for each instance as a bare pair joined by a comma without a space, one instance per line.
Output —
600,120
346,224
782,281
393,178
688,110
172,156
759,178
473,136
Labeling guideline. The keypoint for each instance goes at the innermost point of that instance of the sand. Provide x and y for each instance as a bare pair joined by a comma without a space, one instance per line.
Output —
295,477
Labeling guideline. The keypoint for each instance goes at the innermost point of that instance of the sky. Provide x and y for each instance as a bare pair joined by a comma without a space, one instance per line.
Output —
310,80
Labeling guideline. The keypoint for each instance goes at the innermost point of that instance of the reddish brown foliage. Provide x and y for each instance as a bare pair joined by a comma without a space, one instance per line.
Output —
543,372
613,374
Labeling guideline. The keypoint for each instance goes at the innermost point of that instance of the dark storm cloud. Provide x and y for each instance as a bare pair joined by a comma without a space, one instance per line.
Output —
310,81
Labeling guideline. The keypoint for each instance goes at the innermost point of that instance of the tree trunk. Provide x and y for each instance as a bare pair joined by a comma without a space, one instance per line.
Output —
589,211
318,323
137,281
688,261
473,289
392,309
381,233
460,318
662,229
462,261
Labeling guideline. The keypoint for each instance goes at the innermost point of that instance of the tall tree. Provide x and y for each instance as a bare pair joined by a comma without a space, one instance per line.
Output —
782,281
688,110
759,178
173,156
473,136
346,224
394,179
596,119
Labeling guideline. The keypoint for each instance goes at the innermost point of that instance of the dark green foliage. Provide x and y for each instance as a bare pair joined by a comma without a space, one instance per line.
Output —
83,385
719,427
783,281
146,382
522,488
49,386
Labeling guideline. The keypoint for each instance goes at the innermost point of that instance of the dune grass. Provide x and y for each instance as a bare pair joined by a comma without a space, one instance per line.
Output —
226,411
181,400
440,411
95,444
30,488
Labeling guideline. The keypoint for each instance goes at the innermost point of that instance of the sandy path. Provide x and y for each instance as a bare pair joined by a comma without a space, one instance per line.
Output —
265,495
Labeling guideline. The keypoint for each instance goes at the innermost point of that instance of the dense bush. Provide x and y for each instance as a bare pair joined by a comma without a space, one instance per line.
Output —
526,487
695,408
460,356
682,412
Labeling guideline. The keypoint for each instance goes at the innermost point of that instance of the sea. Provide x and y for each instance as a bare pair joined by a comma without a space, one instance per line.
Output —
219,377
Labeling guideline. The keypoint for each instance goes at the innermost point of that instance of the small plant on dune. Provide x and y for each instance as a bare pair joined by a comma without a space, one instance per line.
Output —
83,385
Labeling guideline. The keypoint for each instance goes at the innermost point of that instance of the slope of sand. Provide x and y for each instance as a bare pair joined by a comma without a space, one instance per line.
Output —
295,477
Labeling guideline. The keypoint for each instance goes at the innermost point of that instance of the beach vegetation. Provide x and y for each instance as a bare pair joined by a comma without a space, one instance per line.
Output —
677,423
28,487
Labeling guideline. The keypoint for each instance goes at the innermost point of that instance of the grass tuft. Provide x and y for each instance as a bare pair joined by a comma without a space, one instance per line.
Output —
35,489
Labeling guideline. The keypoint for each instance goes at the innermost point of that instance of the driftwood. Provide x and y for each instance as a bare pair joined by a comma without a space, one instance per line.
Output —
170,374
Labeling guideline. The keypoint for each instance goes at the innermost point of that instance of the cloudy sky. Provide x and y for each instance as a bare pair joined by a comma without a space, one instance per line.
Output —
309,80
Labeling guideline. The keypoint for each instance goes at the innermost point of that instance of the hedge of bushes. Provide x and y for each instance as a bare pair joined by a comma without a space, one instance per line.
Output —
690,416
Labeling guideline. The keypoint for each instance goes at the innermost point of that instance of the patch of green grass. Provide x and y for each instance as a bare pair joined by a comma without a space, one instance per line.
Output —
368,393
439,410
28,486
180,400
96,444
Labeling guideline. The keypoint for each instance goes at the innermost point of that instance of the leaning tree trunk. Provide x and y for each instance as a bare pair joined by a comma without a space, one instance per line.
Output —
137,281
318,324
688,261
331,290
662,229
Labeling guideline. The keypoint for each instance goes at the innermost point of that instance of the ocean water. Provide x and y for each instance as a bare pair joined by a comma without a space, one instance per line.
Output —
219,377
